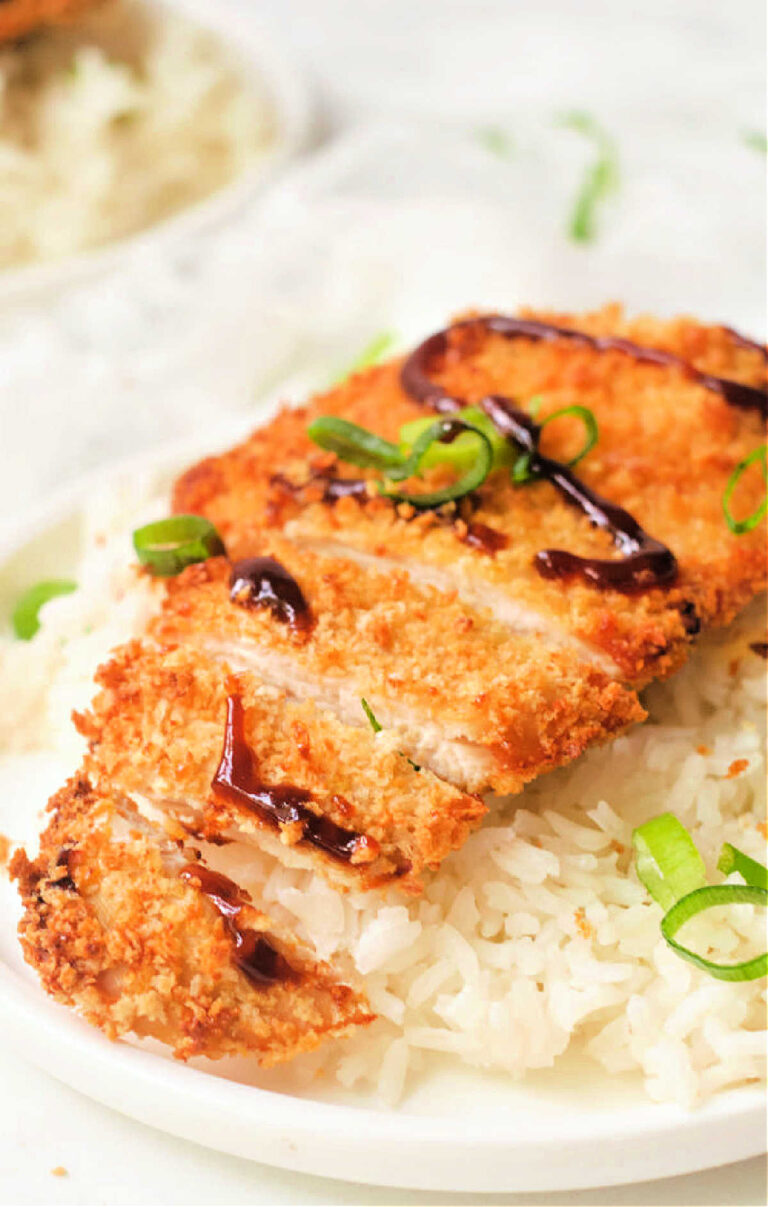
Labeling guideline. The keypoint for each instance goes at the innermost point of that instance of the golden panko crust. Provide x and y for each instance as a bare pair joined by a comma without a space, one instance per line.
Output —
157,728
667,448
112,928
412,651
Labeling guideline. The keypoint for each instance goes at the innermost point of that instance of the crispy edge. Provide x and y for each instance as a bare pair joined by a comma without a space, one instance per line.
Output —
101,914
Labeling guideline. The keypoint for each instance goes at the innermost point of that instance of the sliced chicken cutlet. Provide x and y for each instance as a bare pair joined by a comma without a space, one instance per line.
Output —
668,444
480,706
234,758
119,923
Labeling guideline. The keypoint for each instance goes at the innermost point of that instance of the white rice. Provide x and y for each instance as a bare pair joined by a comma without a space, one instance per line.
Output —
113,123
537,936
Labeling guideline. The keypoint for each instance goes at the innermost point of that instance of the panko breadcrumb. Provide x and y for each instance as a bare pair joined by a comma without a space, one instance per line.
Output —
113,928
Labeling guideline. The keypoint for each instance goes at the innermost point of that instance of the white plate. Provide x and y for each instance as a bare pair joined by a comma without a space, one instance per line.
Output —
286,92
568,1128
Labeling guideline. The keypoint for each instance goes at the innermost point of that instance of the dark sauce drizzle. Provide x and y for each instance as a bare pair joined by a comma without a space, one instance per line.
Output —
253,953
760,648
237,781
646,562
262,582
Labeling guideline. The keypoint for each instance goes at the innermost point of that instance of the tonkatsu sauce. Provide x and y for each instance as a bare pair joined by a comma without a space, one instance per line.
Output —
237,780
647,562
486,539
262,582
416,381
254,954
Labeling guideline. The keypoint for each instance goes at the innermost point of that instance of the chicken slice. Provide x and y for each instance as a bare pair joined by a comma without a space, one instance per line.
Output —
666,451
481,706
288,778
119,923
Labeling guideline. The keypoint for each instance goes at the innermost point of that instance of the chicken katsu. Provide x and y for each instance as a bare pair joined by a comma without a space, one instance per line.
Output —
141,938
235,758
667,445
447,576
497,712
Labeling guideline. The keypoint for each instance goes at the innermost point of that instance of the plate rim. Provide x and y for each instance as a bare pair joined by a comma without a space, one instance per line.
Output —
310,1136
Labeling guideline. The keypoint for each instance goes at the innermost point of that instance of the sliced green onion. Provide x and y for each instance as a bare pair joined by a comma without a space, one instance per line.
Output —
667,860
167,546
354,444
26,618
372,353
521,470
496,140
739,527
733,860
707,898
587,417
600,179
369,714
756,140
462,451
474,476
377,729
534,405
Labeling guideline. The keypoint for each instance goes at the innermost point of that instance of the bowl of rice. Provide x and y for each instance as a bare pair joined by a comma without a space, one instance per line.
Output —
134,122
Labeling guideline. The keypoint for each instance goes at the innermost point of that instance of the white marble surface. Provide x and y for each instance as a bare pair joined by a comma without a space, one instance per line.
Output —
405,219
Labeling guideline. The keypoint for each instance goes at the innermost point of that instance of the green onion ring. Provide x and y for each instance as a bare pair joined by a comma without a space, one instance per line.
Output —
469,481
590,423
733,860
354,444
521,470
26,614
666,859
167,546
707,898
739,527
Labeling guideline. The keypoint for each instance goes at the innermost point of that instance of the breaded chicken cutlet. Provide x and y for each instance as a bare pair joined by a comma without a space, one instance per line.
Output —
481,706
127,927
493,634
236,759
668,443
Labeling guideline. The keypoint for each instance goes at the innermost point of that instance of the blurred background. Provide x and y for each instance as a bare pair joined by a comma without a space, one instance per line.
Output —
437,153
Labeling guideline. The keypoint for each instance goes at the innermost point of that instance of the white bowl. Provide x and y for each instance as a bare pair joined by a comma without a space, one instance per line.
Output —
287,94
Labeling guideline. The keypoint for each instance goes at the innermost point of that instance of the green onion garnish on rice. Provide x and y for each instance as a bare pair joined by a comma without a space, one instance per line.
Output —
167,546
666,859
600,179
733,860
707,898
671,868
739,527
26,614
